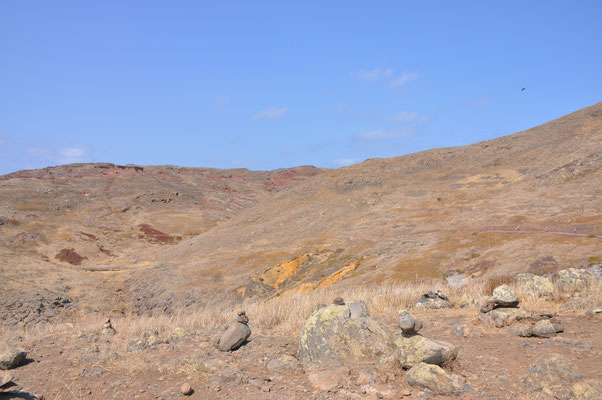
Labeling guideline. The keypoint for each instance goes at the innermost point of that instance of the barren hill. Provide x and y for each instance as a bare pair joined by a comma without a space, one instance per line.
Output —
59,223
482,208
132,238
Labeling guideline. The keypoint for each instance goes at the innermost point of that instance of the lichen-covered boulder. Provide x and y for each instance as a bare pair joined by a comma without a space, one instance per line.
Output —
339,334
436,379
573,280
537,285
553,375
504,296
11,356
415,349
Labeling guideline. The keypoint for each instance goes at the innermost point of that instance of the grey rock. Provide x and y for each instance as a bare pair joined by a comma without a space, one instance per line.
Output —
504,296
11,356
435,379
407,323
414,349
331,338
546,328
234,336
522,330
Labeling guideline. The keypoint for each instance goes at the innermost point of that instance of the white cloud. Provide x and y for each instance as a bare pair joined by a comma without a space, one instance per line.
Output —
270,113
385,74
220,101
373,74
64,155
404,116
345,161
384,134
403,79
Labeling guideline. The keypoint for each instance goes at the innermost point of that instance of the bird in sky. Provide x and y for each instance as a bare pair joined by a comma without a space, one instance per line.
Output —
523,89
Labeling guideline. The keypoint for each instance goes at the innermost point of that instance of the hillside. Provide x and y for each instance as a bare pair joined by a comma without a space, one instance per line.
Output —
152,239
420,215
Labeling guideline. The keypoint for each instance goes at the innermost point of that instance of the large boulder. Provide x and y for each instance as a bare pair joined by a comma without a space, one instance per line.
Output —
339,334
415,349
504,296
537,285
573,280
436,379
553,375
11,356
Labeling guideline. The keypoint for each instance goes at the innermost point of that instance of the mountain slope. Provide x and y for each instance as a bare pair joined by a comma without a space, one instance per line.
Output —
477,209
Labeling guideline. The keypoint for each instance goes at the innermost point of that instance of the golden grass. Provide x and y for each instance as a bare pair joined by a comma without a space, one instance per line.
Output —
286,315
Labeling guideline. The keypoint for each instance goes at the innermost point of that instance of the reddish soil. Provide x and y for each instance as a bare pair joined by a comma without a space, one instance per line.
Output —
155,235
89,235
70,256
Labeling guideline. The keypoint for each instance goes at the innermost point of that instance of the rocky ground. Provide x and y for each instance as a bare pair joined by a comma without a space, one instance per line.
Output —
337,354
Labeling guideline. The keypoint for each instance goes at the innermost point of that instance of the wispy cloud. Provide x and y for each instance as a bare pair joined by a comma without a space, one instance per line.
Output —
372,74
384,134
404,79
72,154
385,74
220,101
345,161
408,117
270,113
62,155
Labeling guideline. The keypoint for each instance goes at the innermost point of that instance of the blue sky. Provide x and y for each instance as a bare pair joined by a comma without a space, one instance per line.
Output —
271,84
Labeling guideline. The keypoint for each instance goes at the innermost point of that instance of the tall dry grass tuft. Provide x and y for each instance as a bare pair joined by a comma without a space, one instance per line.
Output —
286,315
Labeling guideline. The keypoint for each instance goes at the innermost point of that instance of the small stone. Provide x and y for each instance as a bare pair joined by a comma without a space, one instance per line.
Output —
407,323
487,305
330,379
522,330
265,389
546,328
186,389
405,392
338,301
464,330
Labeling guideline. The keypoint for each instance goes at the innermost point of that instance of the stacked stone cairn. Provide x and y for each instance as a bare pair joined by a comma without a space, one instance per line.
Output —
502,310
237,333
424,358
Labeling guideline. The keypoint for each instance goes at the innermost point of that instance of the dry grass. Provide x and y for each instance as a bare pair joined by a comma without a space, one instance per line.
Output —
286,315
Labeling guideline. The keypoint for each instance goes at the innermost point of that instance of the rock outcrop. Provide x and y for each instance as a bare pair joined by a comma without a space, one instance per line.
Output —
340,334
